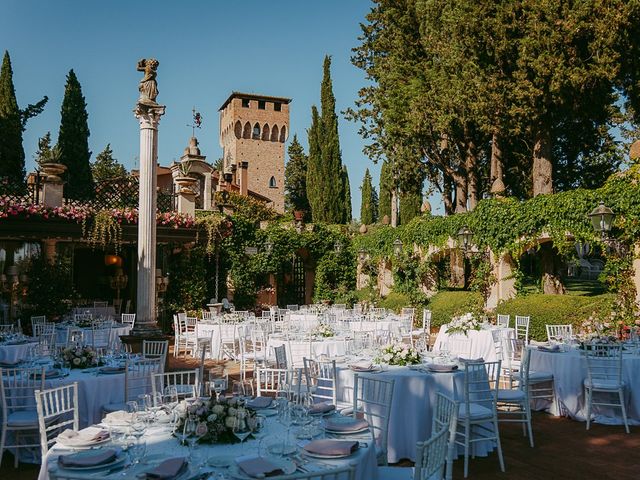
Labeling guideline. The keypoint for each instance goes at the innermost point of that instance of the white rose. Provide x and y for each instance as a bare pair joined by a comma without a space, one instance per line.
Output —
218,409
76,361
232,411
229,422
212,417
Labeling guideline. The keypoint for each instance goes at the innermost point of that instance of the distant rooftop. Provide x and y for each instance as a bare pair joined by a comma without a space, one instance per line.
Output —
253,96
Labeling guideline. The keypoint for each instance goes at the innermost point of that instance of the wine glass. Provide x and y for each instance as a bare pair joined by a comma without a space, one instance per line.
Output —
218,385
241,428
259,430
170,396
237,390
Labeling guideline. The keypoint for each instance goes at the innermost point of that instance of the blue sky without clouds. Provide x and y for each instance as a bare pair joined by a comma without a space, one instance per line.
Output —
206,49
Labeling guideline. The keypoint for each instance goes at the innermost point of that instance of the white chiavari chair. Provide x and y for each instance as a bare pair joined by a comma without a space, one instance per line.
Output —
342,473
137,381
514,405
477,414
155,349
128,319
431,459
522,328
19,415
559,332
186,383
35,320
604,377
503,321
372,397
57,410
7,328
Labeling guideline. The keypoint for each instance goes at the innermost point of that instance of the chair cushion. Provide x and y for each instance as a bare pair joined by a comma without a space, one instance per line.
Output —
512,395
23,418
395,473
114,407
604,384
536,377
476,411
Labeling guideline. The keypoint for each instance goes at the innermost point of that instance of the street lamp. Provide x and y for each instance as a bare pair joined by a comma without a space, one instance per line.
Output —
464,236
337,246
397,247
601,218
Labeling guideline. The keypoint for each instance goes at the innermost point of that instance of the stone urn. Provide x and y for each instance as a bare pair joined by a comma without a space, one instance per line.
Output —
186,184
53,171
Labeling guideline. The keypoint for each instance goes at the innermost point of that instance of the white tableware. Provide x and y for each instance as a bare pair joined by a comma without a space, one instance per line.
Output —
287,466
120,459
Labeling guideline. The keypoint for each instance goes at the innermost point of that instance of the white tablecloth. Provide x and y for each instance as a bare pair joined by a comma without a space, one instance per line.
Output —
297,349
414,396
12,354
104,312
87,333
481,342
162,445
569,372
216,333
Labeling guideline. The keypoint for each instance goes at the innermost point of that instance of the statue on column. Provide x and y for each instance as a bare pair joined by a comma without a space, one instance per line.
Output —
148,86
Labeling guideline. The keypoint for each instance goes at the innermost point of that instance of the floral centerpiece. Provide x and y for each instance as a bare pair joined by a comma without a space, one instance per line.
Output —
215,418
231,318
323,330
80,357
463,324
398,354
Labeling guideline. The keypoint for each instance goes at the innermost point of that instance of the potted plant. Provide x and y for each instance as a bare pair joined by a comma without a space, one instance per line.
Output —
48,159
184,180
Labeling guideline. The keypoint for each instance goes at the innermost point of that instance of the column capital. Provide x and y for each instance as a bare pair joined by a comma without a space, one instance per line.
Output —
148,115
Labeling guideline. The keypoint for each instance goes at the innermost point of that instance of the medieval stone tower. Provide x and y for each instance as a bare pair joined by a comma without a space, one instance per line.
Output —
254,129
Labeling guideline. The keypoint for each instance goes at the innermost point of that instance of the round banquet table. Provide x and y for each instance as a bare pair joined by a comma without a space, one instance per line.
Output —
414,397
14,353
393,326
569,372
481,342
217,332
162,445
304,321
298,349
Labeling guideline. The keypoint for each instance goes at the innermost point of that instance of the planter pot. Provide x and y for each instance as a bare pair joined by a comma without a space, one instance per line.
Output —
53,171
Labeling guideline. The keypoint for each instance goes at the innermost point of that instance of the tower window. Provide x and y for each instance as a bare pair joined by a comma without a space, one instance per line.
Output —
256,132
262,104
277,106
272,182
245,102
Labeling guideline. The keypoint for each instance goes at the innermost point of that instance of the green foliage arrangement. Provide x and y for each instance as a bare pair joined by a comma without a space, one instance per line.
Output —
103,230
446,304
189,281
248,207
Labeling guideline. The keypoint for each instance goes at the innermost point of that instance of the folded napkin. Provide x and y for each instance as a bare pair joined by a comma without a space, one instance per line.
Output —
254,466
260,402
118,418
360,366
436,367
90,458
471,360
346,424
50,373
168,469
87,435
323,407
535,343
330,447
550,348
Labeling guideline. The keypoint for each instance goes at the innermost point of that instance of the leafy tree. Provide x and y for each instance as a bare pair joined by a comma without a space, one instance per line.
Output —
11,151
73,141
346,196
410,201
326,180
106,167
386,184
368,207
295,179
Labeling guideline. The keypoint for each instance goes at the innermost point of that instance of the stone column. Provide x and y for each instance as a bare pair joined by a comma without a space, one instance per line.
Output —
394,207
50,249
207,202
149,118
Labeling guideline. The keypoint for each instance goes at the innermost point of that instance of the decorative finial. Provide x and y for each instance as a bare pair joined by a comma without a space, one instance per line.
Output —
196,121
148,86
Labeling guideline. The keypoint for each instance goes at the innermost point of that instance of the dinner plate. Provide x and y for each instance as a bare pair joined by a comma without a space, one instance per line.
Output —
105,466
221,461
350,432
287,466
84,446
319,455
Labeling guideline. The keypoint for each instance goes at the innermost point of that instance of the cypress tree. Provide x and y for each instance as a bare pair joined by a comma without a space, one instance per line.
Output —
314,168
386,184
411,199
11,150
295,179
346,196
106,167
368,205
73,141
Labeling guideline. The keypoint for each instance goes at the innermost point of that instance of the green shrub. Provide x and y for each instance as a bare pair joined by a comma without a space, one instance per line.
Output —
555,309
446,304
394,301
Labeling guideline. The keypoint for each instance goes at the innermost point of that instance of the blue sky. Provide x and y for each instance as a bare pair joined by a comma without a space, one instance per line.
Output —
206,50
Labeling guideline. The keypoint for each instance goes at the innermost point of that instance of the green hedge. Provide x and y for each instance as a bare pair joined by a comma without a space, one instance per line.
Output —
555,309
446,304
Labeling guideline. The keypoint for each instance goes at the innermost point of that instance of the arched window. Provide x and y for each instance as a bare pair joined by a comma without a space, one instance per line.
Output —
274,133
237,130
246,133
283,134
272,182
265,132
256,132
